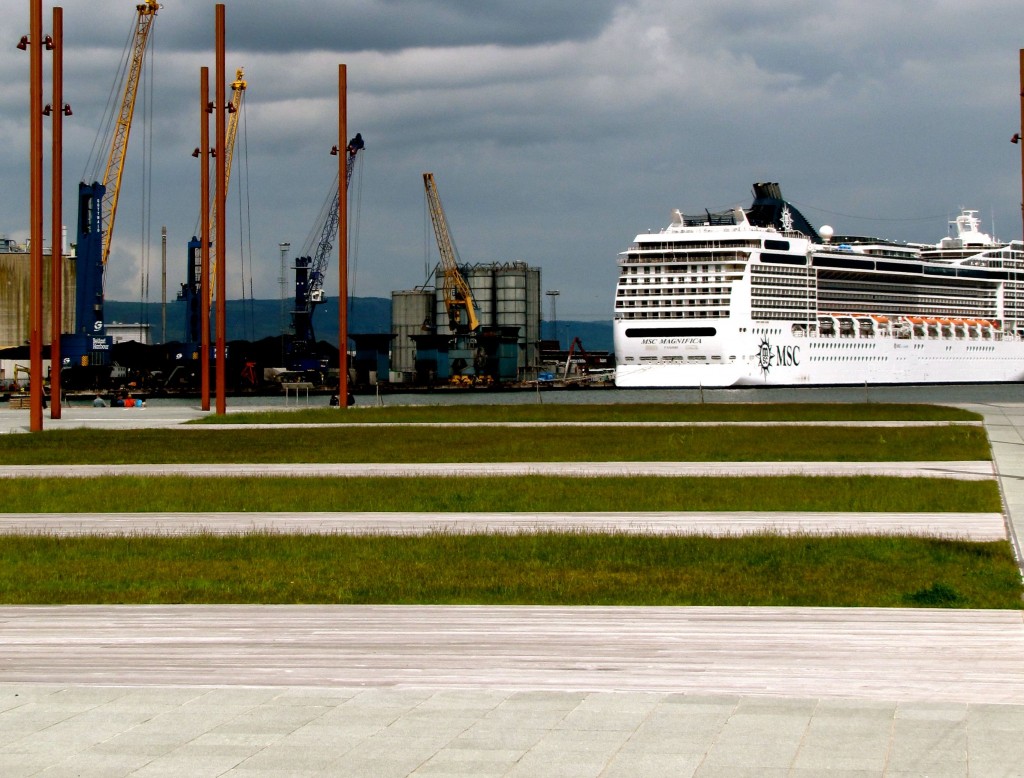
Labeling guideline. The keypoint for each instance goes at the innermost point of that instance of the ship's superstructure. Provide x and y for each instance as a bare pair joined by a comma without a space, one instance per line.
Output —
759,297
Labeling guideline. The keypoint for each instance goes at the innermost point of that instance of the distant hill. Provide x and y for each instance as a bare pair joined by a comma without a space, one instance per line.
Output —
257,319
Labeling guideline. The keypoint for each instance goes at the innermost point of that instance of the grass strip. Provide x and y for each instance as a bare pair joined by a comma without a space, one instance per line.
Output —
546,569
612,412
341,443
514,494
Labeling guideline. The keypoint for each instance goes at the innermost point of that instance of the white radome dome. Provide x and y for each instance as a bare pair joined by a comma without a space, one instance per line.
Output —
826,233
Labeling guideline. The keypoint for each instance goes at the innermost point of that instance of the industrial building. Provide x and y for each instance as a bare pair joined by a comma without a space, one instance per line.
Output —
507,302
15,272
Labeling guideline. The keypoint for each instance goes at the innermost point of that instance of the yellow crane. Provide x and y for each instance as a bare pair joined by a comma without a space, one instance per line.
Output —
458,298
230,133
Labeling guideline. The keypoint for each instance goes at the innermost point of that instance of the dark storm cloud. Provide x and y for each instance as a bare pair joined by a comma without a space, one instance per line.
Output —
365,25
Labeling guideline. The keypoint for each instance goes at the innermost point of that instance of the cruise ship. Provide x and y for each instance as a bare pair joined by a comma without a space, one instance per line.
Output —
759,297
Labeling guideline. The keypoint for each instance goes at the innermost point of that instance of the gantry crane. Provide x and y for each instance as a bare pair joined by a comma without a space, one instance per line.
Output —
310,270
191,290
97,209
458,299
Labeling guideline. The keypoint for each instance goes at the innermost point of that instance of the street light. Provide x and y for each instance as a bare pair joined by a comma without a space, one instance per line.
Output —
553,294
282,280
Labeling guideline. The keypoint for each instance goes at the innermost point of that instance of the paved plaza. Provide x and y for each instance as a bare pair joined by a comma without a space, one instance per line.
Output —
518,691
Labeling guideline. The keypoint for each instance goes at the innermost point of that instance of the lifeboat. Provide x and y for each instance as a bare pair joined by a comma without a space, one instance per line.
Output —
880,319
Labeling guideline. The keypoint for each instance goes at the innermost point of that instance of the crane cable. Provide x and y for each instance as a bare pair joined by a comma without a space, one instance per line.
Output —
105,132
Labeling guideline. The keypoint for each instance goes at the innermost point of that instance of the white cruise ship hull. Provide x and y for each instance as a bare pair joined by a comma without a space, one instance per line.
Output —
777,359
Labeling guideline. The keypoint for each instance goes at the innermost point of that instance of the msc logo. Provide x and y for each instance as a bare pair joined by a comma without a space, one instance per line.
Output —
780,356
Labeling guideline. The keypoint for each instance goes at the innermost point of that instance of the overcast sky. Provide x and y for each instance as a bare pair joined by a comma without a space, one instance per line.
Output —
556,131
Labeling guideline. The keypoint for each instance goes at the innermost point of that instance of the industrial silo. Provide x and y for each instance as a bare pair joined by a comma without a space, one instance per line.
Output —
481,285
517,304
411,311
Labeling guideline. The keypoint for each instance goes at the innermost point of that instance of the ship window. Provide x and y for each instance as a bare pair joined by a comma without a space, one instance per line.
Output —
777,245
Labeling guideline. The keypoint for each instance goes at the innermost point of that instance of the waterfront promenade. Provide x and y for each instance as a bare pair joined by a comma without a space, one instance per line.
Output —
393,690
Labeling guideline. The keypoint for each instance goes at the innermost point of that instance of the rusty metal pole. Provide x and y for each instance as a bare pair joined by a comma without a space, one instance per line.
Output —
204,236
221,246
342,238
35,316
56,214
1022,142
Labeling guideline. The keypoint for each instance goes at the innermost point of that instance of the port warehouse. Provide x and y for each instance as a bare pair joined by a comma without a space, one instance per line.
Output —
507,296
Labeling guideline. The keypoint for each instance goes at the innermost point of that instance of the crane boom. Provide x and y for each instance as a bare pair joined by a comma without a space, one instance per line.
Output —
458,298
146,13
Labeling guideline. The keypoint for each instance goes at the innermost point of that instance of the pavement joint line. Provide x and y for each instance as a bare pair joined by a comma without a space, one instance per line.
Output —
965,470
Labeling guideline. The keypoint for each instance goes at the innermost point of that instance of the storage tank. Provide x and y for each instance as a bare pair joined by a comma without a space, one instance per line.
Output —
410,308
481,285
510,302
440,313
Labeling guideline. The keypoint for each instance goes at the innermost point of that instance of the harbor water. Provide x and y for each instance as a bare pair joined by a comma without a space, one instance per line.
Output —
933,394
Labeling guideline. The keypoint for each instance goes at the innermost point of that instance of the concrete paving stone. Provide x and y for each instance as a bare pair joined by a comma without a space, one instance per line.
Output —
680,743
869,756
652,765
470,761
459,770
848,728
273,719
739,748
411,749
581,742
774,705
803,772
194,766
559,765
626,720
96,766
513,735
463,699
325,698
995,717
428,726
780,725
715,769
552,700
996,768
296,758
701,700
240,771
328,726
21,765
938,711
354,766
937,762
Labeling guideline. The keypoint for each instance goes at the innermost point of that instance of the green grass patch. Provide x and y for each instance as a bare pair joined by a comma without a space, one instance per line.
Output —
613,412
343,443
515,494
545,569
